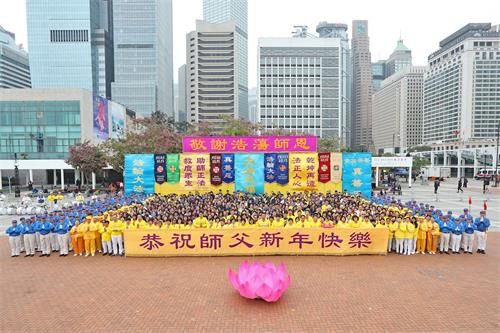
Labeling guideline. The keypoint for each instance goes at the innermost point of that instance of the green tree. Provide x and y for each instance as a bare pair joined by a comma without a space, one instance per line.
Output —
87,158
239,127
329,145
146,136
419,163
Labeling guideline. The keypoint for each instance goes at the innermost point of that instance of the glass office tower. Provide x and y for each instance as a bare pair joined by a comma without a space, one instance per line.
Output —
143,55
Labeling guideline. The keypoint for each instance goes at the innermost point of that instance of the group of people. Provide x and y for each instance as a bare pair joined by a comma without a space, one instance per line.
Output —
97,226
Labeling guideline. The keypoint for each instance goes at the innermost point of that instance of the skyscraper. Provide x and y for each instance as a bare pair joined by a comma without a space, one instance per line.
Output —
299,86
68,41
219,11
397,111
461,87
400,58
361,86
182,98
211,83
14,64
143,55
339,30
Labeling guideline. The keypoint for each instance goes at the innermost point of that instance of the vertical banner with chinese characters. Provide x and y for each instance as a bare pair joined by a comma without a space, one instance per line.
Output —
324,167
249,173
336,167
270,167
255,241
215,169
357,173
282,168
139,173
228,168
195,171
173,172
160,169
303,171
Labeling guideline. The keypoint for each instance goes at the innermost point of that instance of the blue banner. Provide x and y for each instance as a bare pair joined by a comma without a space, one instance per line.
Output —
139,174
249,173
282,168
160,168
357,173
270,167
228,168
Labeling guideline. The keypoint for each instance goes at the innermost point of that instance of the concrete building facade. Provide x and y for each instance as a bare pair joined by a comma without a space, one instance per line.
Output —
462,87
211,74
39,125
397,111
220,11
300,85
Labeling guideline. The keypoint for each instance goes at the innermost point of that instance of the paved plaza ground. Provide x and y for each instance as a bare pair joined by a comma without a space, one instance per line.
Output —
420,293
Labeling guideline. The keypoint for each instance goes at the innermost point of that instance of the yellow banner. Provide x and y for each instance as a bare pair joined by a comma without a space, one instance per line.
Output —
195,172
255,241
303,171
336,167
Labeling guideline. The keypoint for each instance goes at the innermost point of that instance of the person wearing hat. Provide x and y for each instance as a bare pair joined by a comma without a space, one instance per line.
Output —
482,224
468,235
105,233
77,238
432,235
89,229
422,235
44,228
116,226
28,233
466,217
62,228
14,232
457,229
22,222
54,243
446,228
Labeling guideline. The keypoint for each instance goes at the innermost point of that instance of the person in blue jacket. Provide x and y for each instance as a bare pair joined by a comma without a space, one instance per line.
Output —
468,235
14,232
457,229
445,229
482,224
62,229
28,231
44,227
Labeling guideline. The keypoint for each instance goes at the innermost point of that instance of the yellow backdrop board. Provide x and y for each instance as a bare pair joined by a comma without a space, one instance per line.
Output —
255,241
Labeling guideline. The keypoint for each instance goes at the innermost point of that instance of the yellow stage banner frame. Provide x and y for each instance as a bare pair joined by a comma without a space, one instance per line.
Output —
254,241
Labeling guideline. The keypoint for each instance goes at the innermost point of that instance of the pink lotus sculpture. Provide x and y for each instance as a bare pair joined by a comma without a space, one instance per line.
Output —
258,280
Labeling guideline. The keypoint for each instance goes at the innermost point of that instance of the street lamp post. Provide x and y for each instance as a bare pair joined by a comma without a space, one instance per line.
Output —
17,190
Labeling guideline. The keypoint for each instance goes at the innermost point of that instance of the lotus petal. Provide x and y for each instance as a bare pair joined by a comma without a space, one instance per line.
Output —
257,280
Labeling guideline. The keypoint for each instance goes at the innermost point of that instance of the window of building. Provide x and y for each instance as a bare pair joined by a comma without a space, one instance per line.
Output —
69,36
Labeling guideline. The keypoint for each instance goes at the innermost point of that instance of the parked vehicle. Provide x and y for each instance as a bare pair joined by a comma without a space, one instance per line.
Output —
485,173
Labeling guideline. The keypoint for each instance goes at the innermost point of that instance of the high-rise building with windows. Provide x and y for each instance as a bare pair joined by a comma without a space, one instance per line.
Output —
182,97
70,44
339,30
397,111
143,55
211,84
462,87
399,59
300,85
14,63
220,11
361,101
